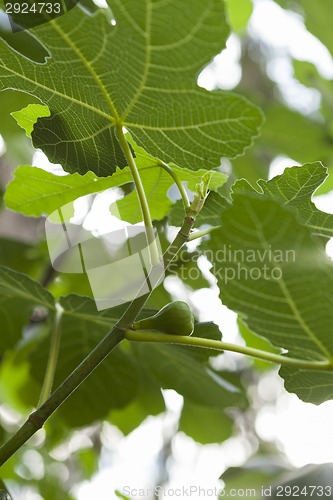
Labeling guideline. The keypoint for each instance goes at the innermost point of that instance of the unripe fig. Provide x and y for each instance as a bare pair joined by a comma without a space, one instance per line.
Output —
174,318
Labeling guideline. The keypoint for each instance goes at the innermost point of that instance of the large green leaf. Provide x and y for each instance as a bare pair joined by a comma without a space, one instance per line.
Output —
273,272
113,384
34,191
137,72
176,368
19,296
295,188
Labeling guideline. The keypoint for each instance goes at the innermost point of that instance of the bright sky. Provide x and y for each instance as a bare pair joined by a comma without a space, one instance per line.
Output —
130,461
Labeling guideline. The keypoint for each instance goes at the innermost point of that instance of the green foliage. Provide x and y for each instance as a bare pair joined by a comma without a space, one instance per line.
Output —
18,148
81,328
217,425
253,340
239,13
27,117
21,256
36,192
210,213
94,95
295,135
263,274
20,296
317,20
176,368
299,183
85,79
149,401
157,183
294,188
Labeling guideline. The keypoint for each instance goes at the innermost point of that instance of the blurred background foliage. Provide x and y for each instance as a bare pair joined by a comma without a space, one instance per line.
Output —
295,131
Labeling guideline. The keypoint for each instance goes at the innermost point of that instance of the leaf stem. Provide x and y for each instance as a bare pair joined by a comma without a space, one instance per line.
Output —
203,232
150,336
53,357
178,182
139,189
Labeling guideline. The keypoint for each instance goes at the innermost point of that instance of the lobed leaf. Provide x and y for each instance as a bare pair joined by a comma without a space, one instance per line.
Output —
291,302
294,188
35,192
136,72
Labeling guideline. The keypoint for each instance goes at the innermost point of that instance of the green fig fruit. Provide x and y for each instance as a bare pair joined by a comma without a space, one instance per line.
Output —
174,318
